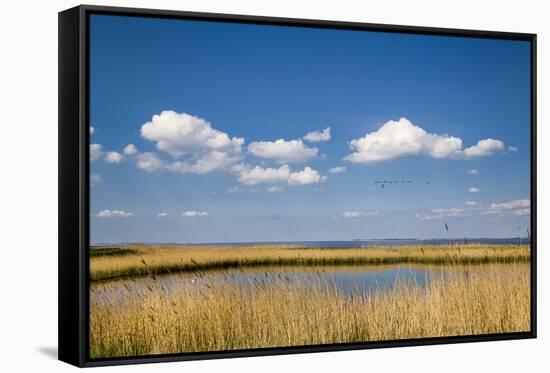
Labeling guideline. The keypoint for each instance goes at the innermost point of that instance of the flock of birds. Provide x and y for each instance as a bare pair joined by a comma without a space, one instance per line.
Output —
384,183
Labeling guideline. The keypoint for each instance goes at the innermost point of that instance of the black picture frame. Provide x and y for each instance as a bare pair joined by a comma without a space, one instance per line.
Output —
74,183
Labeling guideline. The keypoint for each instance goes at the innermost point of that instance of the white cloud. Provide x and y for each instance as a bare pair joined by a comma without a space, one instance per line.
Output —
258,175
448,211
113,157
249,175
207,162
95,179
397,139
358,214
130,149
306,176
162,214
473,190
192,214
149,162
442,213
316,136
92,130
182,134
337,170
96,152
512,205
114,214
203,148
473,171
282,151
274,189
484,148
237,189
513,149
519,207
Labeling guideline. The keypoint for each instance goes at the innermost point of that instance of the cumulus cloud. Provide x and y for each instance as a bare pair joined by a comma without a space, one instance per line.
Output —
484,148
471,203
316,136
96,152
95,179
282,151
162,214
130,149
306,176
149,162
113,157
249,175
398,139
198,147
337,170
274,189
207,162
192,214
472,171
180,133
114,214
258,175
513,149
473,190
358,214
92,130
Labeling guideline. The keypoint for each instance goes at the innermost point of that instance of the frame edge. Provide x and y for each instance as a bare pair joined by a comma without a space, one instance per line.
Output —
74,182
70,305
307,22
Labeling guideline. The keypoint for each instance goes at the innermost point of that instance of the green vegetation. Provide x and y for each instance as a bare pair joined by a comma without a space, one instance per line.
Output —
111,251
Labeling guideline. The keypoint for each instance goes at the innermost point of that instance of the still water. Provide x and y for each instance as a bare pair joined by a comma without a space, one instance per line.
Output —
349,279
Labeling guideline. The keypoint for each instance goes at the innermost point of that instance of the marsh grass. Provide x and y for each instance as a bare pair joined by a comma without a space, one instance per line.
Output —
274,311
157,260
111,251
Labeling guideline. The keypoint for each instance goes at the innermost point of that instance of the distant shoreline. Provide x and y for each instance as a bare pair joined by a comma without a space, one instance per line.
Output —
117,262
334,243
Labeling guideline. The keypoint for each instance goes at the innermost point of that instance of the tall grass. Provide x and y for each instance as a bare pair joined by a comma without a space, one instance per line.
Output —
272,312
140,260
111,251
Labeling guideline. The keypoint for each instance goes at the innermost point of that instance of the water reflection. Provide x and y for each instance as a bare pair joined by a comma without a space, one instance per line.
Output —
349,279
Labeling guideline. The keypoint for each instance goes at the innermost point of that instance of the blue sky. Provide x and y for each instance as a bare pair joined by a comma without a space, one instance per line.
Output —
219,114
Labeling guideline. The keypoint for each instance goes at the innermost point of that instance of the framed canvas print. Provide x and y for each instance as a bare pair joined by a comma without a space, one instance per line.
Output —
238,186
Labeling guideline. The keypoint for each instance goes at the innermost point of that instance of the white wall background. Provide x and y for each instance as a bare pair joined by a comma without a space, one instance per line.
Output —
28,184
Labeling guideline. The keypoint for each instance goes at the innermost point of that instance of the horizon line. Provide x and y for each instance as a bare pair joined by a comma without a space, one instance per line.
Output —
307,241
